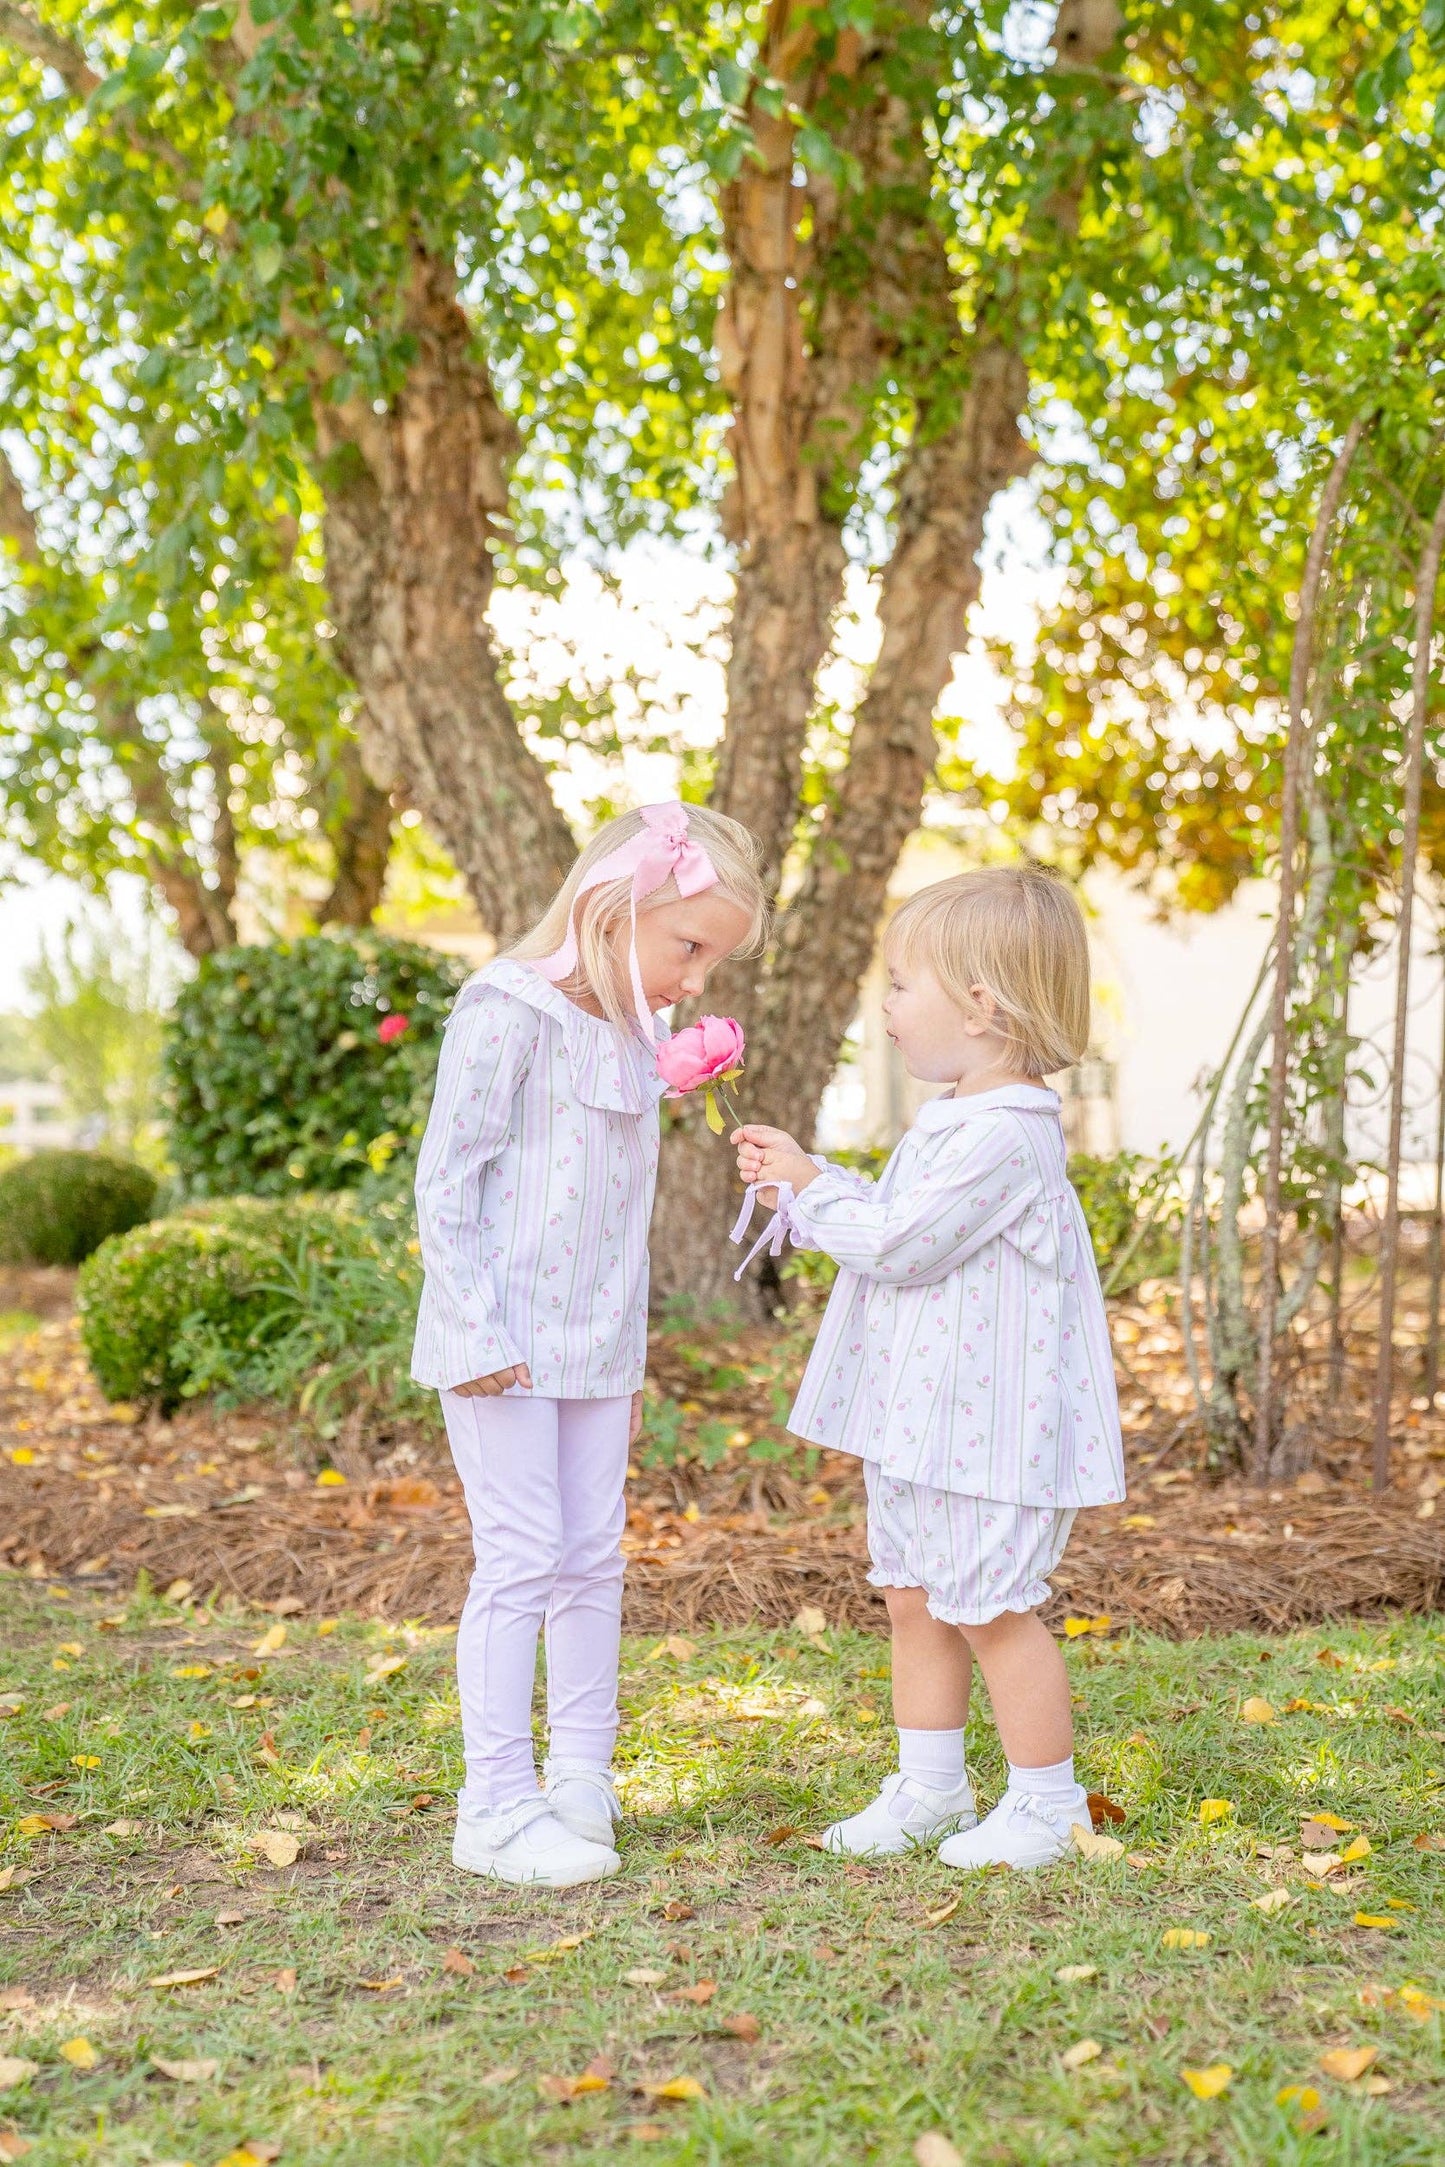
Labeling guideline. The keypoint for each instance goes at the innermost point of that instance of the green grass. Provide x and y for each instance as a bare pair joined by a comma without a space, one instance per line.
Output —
874,2025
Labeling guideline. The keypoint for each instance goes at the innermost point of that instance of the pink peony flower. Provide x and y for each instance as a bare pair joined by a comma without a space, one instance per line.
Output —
392,1028
705,1053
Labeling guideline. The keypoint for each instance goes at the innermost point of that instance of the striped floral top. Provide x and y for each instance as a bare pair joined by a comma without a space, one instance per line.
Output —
965,1344
534,1191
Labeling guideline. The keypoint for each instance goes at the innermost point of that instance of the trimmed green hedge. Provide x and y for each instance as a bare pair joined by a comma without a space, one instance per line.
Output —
210,1274
300,1065
57,1206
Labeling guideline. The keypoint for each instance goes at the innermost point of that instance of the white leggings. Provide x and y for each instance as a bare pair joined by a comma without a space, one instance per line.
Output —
544,1487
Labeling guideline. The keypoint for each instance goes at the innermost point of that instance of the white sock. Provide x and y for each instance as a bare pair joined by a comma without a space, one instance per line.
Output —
932,1758
1055,1785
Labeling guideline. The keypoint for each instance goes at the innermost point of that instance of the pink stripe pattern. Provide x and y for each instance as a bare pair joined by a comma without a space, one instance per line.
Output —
534,1192
965,1345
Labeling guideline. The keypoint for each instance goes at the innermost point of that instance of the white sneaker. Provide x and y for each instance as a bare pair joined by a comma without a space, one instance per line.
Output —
582,1797
528,1844
904,1814
1022,1831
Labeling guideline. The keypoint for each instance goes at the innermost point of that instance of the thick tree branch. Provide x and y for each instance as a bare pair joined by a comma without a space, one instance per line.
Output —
361,838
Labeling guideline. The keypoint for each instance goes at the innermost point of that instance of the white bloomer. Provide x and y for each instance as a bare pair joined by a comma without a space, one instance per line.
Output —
974,1557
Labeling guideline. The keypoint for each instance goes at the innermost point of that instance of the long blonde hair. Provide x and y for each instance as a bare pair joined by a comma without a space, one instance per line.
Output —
1017,931
605,910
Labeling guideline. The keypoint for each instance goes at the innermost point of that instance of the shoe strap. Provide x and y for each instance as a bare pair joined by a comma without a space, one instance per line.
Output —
598,1780
512,1819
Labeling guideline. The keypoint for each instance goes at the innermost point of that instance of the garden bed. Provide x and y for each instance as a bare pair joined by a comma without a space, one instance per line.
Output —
237,1502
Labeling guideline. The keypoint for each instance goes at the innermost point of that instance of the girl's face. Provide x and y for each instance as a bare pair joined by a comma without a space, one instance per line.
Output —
939,1041
679,943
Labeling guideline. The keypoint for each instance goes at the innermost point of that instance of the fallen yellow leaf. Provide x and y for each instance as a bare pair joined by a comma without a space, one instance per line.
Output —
1344,2064
179,1590
1082,2051
85,1760
1074,1627
325,1626
1092,1846
1215,1809
383,1986
1383,1920
186,2072
384,1666
79,2053
192,1670
1208,2083
675,2088
70,1647
933,2149
270,1641
1359,1849
944,1911
1139,1519
186,1978
14,2069
1256,1710
277,1846
677,1646
1418,2004
1330,1821
1272,1900
810,1621
331,1478
1186,1937
644,1975
1070,1974
1303,2096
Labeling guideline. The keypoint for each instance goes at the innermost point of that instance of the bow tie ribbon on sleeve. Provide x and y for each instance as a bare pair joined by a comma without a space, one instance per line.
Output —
780,1227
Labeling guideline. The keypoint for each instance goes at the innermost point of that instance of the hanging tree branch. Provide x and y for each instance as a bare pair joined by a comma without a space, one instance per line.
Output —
1426,580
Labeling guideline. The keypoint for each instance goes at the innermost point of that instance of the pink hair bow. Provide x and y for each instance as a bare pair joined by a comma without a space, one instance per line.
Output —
662,850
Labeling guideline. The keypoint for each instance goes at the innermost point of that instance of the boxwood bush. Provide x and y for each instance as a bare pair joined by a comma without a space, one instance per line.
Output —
305,1300
298,1065
57,1206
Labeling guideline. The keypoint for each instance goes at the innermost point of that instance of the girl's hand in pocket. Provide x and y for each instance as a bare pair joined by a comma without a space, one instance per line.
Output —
498,1382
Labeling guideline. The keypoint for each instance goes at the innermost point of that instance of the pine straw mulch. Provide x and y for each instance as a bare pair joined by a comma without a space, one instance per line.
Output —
95,1495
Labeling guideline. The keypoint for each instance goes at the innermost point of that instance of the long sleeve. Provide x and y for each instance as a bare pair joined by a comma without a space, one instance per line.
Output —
485,1056
924,1229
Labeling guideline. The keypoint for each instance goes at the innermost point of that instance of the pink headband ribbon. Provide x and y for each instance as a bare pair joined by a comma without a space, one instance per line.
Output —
661,851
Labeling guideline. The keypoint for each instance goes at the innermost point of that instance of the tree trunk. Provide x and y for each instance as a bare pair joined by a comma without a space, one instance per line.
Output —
827,934
412,501
361,839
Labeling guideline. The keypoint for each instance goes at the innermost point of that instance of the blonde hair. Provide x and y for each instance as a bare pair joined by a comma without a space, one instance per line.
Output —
604,911
1017,931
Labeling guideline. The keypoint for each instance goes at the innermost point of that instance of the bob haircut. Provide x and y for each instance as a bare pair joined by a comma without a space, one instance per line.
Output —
604,912
1017,931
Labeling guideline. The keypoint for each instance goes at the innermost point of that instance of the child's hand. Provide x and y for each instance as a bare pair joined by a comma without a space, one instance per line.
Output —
497,1382
769,1156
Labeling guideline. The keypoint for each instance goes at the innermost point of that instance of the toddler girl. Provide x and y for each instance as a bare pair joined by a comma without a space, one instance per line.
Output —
534,1191
964,1356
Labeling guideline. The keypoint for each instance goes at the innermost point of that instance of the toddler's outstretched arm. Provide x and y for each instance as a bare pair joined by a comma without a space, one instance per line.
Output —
769,1156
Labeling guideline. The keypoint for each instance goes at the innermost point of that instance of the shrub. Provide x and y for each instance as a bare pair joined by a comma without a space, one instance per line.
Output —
57,1206
302,1065
1134,1211
201,1281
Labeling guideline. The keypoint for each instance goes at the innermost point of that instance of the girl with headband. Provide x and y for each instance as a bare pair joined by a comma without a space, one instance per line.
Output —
534,1192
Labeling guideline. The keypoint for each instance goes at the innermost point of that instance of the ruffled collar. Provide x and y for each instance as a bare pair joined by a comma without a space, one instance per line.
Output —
945,1113
611,1069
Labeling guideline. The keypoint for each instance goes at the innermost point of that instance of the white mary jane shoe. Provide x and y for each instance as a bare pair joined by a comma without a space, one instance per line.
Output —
583,1798
905,1814
530,1846
1022,1832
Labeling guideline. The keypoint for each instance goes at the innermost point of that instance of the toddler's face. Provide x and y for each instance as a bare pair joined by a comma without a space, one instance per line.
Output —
938,1042
679,943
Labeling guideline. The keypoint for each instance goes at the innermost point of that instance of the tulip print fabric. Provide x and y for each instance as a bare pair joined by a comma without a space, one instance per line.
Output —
965,1345
534,1191
973,1557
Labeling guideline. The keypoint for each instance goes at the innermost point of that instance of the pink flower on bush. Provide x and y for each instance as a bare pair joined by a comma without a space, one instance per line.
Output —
391,1028
708,1054
708,1050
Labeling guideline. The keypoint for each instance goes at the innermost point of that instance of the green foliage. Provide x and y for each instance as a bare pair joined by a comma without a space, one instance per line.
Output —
1134,1212
99,1001
278,1079
56,1207
172,1308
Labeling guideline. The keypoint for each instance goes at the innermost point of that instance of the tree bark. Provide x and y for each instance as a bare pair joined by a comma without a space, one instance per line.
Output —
827,934
413,497
361,840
